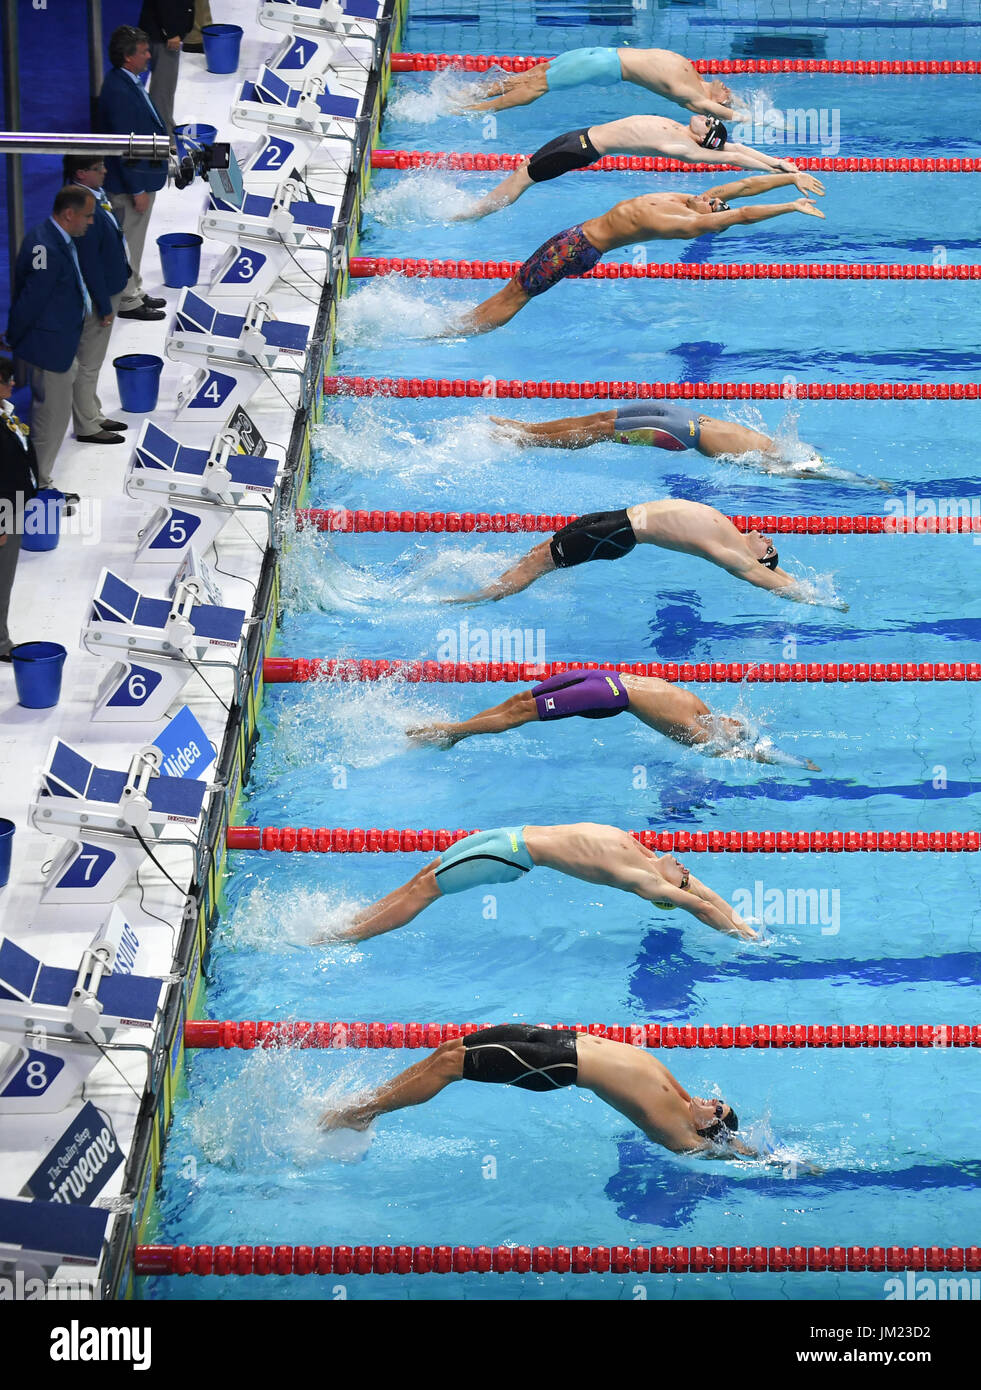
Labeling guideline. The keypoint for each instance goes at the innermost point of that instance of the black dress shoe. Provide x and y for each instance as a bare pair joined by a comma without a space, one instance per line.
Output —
192,47
141,313
150,303
5,656
114,424
103,437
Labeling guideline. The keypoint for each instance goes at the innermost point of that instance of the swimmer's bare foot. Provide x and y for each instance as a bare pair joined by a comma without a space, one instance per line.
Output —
434,735
811,767
352,1118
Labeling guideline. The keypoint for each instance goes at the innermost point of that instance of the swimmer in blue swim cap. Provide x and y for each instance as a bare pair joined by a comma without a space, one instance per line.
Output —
658,70
599,854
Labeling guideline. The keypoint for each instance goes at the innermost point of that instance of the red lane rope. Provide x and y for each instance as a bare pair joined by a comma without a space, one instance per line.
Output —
489,388
481,62
545,1259
324,840
365,522
248,1034
479,162
366,267
280,670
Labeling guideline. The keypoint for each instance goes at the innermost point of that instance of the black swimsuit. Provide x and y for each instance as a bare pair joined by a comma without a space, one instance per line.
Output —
518,1054
595,536
574,150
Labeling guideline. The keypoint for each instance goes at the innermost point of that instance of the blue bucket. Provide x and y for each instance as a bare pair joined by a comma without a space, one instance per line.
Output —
7,829
42,520
221,45
180,258
138,379
193,137
37,673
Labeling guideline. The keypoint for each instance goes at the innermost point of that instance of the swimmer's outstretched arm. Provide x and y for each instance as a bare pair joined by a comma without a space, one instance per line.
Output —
715,914
510,714
529,568
744,157
765,183
491,313
395,909
506,193
414,1086
778,581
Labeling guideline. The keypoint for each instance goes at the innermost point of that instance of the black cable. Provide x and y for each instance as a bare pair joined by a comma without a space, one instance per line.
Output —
150,854
196,667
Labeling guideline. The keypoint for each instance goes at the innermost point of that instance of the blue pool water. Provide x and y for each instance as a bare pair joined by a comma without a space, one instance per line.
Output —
886,938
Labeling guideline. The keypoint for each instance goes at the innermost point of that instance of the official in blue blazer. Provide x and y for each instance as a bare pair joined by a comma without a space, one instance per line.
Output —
103,257
125,108
48,309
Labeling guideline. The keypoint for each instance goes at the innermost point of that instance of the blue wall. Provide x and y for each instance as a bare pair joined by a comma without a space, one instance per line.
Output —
54,94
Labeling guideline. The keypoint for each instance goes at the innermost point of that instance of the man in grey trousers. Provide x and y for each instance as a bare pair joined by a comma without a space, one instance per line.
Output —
166,24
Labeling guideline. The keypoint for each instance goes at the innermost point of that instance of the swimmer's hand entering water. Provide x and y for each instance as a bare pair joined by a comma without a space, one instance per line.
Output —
805,205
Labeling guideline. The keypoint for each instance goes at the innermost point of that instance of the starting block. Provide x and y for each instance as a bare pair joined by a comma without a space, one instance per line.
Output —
110,819
48,1014
197,490
155,645
319,17
265,235
249,347
310,113
38,1236
299,57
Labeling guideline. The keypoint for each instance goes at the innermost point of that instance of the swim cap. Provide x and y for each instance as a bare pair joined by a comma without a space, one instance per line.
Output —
716,136
665,907
720,1131
771,561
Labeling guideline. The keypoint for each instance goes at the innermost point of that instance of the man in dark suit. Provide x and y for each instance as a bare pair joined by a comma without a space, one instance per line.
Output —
166,22
125,108
49,306
102,256
17,487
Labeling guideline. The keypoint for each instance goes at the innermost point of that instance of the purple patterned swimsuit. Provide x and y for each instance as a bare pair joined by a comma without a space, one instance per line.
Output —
567,253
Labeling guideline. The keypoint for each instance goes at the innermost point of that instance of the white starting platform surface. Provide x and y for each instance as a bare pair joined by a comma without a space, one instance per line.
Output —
59,764
197,491
237,353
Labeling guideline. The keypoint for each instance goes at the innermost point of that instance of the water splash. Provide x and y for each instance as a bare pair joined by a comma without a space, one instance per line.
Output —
392,307
419,196
443,96
277,1087
273,919
315,578
371,441
355,726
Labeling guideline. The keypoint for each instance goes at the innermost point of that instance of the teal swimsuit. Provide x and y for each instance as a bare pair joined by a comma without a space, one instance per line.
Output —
600,67
490,856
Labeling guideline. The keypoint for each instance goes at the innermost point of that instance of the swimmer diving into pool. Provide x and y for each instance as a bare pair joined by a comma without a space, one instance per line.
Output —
662,72
672,524
700,142
627,1078
651,217
669,709
673,425
595,853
